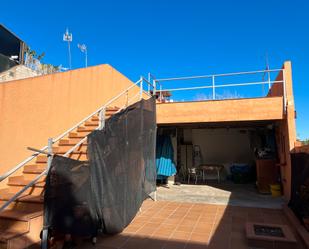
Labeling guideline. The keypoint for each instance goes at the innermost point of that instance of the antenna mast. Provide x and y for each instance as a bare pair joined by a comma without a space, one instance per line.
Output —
68,38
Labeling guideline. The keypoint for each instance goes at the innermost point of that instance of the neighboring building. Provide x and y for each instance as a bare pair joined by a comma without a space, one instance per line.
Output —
12,49
17,72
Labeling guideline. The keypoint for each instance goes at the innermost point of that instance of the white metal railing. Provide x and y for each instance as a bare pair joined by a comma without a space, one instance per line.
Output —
214,84
47,150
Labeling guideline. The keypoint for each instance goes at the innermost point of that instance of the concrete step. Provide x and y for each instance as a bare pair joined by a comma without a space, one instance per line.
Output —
23,205
112,109
107,116
27,198
78,134
20,229
70,141
41,159
83,129
77,156
22,181
12,224
92,123
7,235
65,148
20,215
34,168
34,190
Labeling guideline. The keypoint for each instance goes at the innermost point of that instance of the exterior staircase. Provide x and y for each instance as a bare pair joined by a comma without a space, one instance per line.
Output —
21,222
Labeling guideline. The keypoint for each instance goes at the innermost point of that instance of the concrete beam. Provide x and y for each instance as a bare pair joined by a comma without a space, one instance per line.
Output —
270,108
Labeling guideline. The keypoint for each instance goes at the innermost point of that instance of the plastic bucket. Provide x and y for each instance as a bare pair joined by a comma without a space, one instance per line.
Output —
275,190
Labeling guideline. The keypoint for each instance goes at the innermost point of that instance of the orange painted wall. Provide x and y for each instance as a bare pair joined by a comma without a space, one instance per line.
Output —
288,130
34,109
220,110
302,149
277,88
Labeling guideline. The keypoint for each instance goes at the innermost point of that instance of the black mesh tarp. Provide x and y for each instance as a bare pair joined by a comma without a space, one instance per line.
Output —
300,185
106,192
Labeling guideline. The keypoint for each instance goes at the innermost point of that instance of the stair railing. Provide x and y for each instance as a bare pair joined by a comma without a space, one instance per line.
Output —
100,111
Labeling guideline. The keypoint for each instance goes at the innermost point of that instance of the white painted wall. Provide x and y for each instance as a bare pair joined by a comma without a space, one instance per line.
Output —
223,146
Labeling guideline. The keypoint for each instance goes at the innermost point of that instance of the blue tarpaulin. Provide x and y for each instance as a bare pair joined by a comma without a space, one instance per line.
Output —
165,157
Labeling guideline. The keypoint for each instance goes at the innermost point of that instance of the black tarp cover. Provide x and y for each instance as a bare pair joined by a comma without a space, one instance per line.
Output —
106,191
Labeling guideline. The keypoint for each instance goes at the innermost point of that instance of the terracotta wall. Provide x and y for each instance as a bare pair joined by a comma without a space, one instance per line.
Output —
34,109
220,110
301,149
277,88
288,131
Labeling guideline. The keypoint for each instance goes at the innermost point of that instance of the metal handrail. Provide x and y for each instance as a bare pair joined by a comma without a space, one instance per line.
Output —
21,164
29,185
225,85
214,86
218,75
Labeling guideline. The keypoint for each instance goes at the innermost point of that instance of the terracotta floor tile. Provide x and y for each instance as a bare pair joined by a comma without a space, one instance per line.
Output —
188,222
132,228
162,234
146,231
135,243
172,225
174,245
207,220
112,241
152,224
180,235
157,220
200,237
239,239
197,246
155,244
185,228
205,230
169,227
171,221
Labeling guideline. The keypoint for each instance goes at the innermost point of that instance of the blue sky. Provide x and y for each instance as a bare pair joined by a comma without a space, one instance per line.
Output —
172,37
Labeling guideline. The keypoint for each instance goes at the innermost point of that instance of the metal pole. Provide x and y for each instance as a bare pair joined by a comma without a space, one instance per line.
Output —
154,87
141,87
86,58
149,77
127,98
149,80
50,152
44,240
284,92
160,93
102,119
70,63
269,85
213,88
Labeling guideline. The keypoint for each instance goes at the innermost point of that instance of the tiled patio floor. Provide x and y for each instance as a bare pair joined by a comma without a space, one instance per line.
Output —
167,225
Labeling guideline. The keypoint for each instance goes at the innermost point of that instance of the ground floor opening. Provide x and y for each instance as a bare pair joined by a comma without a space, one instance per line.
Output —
226,163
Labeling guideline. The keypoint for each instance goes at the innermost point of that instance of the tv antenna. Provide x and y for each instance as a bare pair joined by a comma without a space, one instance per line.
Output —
67,37
83,49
